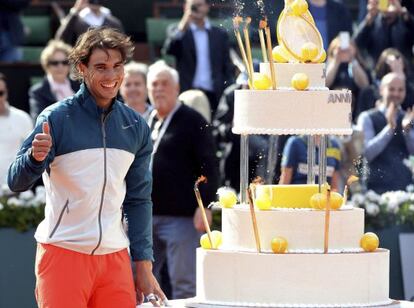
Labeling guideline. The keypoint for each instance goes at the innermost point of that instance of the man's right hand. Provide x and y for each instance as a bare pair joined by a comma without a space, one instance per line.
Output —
186,19
42,143
80,5
372,10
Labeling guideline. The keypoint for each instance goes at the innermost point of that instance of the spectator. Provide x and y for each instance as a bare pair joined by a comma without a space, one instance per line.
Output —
83,15
134,88
197,100
15,125
295,164
345,69
183,150
390,60
362,8
56,85
388,137
380,30
331,17
201,51
11,29
93,153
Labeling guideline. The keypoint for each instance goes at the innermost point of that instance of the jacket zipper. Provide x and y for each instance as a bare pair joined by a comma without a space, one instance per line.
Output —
65,207
103,119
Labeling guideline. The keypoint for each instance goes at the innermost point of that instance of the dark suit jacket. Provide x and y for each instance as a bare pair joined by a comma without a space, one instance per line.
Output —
10,19
41,96
183,49
338,19
73,26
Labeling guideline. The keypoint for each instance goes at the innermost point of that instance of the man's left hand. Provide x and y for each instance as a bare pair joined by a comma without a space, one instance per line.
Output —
198,219
147,286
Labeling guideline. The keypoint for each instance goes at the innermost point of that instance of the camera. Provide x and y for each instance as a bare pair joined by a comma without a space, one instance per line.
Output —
194,8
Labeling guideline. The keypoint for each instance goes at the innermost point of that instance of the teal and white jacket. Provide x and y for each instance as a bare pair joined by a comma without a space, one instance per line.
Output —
96,172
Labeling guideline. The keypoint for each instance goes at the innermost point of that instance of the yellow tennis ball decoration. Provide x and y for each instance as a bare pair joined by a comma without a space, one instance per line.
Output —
322,57
279,54
216,238
227,198
309,51
369,241
336,200
263,202
300,81
279,244
299,7
318,201
261,81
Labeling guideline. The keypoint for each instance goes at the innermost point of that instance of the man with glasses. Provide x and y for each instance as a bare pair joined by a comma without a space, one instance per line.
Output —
93,153
15,125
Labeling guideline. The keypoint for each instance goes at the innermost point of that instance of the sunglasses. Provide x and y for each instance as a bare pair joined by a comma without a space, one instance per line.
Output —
56,62
2,93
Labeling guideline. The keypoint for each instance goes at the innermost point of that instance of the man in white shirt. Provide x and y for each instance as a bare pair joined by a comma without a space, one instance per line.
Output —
15,125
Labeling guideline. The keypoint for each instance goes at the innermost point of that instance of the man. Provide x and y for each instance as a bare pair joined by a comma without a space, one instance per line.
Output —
83,15
331,17
384,29
183,150
201,52
11,29
15,125
388,137
93,153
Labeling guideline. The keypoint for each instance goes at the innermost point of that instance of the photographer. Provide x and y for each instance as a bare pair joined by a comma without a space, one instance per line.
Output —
83,15
201,51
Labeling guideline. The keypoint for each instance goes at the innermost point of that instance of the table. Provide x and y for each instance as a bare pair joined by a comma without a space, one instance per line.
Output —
188,303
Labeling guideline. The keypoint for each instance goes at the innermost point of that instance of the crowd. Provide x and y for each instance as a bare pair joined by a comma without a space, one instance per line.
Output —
186,114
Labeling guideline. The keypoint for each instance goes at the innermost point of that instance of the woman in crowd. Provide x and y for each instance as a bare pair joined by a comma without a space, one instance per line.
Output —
56,85
390,61
134,88
345,68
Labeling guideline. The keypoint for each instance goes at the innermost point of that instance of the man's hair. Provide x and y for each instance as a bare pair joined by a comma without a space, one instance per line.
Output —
99,38
52,47
161,67
136,68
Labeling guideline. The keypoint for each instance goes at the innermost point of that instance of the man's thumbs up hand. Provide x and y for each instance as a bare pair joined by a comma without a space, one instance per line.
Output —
42,143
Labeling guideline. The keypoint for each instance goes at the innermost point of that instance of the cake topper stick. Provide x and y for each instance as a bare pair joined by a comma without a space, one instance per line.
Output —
248,46
262,27
236,23
254,221
269,55
327,220
203,179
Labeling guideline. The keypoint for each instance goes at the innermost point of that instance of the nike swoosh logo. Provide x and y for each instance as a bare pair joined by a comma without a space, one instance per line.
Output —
130,125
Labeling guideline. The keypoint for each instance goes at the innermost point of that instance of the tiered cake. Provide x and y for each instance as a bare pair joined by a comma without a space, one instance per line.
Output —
306,275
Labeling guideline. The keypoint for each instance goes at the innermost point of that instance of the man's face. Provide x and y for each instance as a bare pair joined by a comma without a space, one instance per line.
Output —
134,88
104,74
199,8
393,91
3,94
163,92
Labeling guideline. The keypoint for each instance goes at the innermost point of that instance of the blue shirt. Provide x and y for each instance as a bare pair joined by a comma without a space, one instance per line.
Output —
319,15
295,155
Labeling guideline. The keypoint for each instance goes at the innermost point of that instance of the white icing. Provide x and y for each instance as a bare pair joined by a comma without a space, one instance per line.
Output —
293,280
303,229
292,112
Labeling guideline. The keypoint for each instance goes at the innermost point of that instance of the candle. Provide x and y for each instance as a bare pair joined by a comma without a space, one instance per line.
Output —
254,221
203,179
262,26
269,55
327,220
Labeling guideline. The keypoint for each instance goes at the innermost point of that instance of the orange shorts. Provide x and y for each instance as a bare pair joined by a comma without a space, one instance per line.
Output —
68,279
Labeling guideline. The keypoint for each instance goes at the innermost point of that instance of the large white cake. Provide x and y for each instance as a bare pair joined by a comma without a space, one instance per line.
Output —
306,275
346,276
